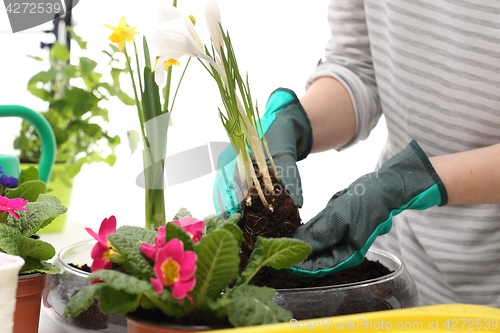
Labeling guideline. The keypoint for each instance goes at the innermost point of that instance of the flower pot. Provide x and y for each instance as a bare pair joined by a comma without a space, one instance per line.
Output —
137,324
9,271
62,189
64,285
394,291
29,297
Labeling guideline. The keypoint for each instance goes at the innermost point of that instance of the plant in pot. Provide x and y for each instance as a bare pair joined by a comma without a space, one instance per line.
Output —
186,274
25,208
75,94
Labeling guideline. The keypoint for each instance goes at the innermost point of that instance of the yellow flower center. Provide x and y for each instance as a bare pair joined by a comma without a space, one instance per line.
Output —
170,271
117,36
191,17
109,252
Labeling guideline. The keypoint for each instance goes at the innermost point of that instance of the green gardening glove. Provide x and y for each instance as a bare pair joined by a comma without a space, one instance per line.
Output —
289,137
341,234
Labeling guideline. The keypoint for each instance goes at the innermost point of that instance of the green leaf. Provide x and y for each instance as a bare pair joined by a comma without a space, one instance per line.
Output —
48,198
182,213
76,38
217,265
59,52
31,173
82,300
11,240
150,98
117,301
32,265
278,253
174,231
167,304
133,140
36,249
140,234
235,218
121,281
212,221
40,215
147,57
130,247
29,190
114,48
215,222
251,306
35,58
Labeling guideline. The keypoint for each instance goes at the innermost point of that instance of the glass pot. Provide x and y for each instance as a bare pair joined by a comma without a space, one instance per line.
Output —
61,287
394,291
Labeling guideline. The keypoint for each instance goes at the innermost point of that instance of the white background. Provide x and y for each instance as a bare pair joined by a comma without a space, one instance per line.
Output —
278,42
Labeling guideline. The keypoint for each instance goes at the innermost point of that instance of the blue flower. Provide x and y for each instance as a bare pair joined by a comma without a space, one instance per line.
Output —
1,169
8,181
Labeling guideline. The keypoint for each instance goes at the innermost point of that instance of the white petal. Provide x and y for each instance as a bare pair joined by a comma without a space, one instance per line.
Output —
212,17
160,72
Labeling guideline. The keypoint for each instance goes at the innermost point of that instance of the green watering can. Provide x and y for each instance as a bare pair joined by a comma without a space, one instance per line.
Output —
10,164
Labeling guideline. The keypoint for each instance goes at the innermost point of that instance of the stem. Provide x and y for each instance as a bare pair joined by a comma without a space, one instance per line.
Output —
3,217
159,304
179,84
155,196
138,71
137,104
167,88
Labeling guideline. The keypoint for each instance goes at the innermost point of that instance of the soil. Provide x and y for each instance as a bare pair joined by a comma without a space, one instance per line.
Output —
280,221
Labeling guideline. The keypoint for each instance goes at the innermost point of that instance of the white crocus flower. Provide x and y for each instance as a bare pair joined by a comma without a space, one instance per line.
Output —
212,16
176,37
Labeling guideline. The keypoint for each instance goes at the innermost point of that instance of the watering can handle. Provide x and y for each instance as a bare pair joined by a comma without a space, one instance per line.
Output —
42,126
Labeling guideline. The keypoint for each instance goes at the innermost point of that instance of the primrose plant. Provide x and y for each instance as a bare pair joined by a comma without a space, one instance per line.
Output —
25,208
187,269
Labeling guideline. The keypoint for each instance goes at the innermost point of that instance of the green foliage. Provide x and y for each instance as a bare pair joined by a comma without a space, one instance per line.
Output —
74,93
15,233
217,268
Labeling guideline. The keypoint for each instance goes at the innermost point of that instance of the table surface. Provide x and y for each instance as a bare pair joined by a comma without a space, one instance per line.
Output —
73,232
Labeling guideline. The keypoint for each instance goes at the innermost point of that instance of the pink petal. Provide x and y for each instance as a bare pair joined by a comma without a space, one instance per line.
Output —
188,265
158,285
100,263
181,288
98,251
174,249
108,226
188,221
16,215
177,222
103,242
3,200
149,250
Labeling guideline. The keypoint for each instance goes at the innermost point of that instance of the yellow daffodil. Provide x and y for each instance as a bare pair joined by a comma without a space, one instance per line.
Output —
122,33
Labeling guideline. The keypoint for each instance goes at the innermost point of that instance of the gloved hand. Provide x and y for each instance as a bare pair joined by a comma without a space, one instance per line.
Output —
289,136
342,233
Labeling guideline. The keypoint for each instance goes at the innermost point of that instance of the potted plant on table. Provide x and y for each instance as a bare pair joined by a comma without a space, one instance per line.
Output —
25,208
75,94
186,273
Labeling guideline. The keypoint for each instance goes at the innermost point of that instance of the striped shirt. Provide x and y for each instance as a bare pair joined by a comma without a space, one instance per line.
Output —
432,67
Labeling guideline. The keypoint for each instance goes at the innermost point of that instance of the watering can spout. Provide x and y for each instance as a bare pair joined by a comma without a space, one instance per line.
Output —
10,164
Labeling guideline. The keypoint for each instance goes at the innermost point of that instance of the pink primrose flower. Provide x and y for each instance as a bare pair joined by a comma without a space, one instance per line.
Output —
103,249
151,250
192,226
10,205
175,267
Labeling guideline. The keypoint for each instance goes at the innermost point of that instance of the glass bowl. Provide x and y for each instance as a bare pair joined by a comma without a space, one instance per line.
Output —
394,291
62,286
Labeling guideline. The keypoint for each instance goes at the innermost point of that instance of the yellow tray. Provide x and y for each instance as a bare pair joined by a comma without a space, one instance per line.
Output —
435,318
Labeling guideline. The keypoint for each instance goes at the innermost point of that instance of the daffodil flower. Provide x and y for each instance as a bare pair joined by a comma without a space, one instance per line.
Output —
176,37
122,33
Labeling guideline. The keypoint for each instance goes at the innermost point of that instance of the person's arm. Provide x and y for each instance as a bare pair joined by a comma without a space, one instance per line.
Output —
330,110
470,177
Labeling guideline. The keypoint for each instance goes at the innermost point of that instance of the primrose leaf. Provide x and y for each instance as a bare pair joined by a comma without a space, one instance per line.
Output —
28,190
215,222
217,265
28,174
130,247
82,300
121,281
32,265
11,240
174,231
248,308
40,215
36,249
117,301
278,253
140,234
182,213
212,221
